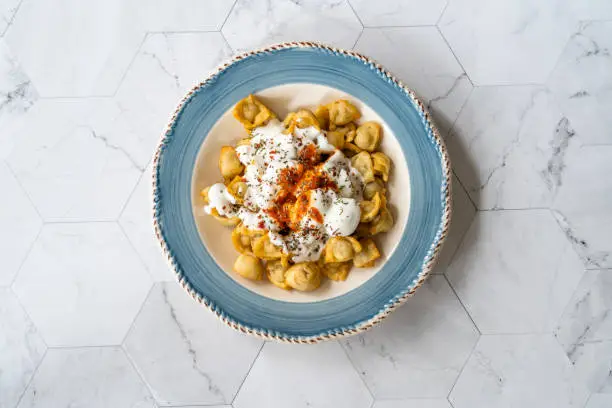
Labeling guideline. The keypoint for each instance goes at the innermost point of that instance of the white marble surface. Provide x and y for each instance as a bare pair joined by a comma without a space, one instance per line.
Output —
19,225
518,371
86,276
515,271
253,24
176,344
518,312
22,349
286,375
424,345
94,377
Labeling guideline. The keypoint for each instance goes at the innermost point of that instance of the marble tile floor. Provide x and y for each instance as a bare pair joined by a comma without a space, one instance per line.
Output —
518,312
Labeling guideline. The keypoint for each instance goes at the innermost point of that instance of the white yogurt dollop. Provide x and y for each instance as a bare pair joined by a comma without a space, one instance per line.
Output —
270,152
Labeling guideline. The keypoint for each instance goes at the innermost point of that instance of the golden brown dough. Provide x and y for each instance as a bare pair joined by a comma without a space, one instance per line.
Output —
368,255
305,276
251,112
229,164
368,136
336,271
248,266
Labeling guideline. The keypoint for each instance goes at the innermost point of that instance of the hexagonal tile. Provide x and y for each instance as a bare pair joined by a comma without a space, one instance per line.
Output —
88,377
8,8
70,164
21,349
463,215
186,354
509,145
430,68
583,204
413,403
165,68
518,371
288,375
419,350
78,48
515,271
19,225
255,24
186,15
506,41
17,95
588,316
582,82
398,12
137,223
83,276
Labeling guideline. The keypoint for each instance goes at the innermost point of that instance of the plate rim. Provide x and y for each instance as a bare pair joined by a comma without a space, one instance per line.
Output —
429,261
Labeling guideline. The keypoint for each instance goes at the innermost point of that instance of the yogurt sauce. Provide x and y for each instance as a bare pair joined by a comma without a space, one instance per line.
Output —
329,212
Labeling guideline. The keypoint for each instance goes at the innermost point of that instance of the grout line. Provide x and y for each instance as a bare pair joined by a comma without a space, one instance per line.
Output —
140,375
514,209
461,371
248,372
140,258
357,371
233,51
378,27
358,38
70,347
455,55
204,31
78,221
10,22
355,13
129,197
228,16
32,377
462,305
25,192
463,187
23,261
137,315
129,67
442,13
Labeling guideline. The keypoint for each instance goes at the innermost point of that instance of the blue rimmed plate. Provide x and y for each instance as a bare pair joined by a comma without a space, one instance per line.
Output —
288,76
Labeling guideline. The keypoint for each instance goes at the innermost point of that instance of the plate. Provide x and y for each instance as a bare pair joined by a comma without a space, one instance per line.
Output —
288,76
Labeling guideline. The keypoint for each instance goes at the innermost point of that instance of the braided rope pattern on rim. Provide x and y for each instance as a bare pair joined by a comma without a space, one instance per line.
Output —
432,254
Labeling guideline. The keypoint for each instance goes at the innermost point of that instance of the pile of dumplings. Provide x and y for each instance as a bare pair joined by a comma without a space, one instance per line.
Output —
259,257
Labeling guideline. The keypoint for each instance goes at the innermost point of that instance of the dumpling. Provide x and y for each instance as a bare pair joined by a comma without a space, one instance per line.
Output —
322,114
372,188
363,163
264,249
382,222
276,271
368,255
305,276
341,249
249,266
368,136
342,112
371,208
303,118
229,164
382,165
336,271
251,112
237,188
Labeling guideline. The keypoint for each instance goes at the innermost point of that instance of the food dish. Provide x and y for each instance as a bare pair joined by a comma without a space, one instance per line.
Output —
300,74
299,207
